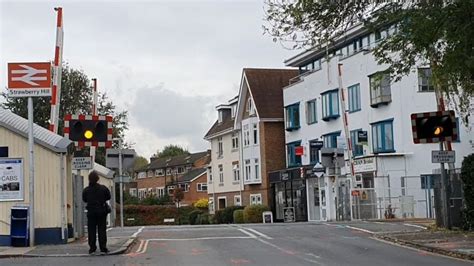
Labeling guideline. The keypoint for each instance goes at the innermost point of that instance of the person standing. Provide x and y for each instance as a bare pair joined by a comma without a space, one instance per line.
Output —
96,197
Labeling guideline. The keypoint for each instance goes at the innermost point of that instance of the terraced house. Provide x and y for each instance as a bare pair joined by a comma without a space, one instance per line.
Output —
162,175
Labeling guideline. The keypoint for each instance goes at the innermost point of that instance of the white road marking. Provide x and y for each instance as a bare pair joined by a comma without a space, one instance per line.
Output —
109,229
415,225
258,233
286,251
247,233
359,229
138,232
313,255
145,247
140,246
201,238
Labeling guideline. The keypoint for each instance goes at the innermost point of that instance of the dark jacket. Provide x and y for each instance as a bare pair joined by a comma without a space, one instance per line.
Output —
96,196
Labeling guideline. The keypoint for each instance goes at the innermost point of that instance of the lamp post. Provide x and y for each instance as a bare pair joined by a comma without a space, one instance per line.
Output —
121,179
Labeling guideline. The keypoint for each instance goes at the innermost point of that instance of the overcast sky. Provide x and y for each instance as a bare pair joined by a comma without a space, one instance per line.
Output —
169,63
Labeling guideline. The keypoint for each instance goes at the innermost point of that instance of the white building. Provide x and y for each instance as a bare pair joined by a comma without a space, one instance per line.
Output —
224,186
390,166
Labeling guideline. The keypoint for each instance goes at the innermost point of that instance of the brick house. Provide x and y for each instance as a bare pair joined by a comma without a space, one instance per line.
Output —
162,175
260,119
194,185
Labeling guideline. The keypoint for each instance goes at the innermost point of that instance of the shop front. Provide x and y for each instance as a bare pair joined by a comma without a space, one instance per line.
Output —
288,189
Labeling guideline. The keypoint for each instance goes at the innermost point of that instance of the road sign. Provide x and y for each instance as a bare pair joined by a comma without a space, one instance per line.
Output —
319,170
112,158
125,179
299,150
443,156
29,79
267,217
434,127
89,130
81,163
355,193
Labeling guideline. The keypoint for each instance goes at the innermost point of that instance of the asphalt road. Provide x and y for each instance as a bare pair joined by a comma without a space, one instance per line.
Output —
276,244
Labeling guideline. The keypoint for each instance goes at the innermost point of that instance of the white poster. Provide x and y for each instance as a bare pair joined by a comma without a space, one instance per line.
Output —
11,179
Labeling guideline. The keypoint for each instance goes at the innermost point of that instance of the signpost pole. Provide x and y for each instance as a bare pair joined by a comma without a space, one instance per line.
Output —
32,171
445,191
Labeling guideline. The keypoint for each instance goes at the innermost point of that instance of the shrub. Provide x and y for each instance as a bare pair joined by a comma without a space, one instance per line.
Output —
228,214
253,213
203,218
202,204
467,177
239,216
218,217
193,216
135,215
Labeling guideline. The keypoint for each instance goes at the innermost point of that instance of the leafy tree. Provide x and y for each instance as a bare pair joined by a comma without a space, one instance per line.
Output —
437,32
139,162
76,91
171,151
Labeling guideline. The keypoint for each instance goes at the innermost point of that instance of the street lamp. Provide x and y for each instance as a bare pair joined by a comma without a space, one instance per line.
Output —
121,179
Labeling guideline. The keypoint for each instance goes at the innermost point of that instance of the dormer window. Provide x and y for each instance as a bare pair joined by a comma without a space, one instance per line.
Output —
221,116
234,109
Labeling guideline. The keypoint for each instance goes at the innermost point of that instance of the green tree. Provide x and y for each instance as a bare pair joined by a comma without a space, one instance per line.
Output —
170,151
76,91
437,32
139,162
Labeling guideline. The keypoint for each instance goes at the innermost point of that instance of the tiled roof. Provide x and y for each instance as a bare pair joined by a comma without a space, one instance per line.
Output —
42,136
175,161
192,174
266,86
226,124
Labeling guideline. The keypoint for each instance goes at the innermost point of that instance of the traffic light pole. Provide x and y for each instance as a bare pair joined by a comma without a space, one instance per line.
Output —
445,189
121,182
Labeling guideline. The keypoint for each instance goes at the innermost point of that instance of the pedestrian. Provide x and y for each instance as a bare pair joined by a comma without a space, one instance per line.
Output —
96,197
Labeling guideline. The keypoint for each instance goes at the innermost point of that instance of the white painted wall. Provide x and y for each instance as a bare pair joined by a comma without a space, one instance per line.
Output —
251,151
414,159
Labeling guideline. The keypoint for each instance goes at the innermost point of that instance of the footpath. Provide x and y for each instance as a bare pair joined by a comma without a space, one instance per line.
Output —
118,242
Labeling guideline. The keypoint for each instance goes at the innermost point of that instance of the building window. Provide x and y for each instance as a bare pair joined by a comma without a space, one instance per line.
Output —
233,111
380,92
237,200
160,192
330,105
382,136
330,140
209,174
255,133
257,170
159,172
311,117
255,199
220,147
425,80
201,187
250,107
133,192
141,193
180,170
354,98
221,174
292,116
236,172
184,187
248,170
141,175
150,173
246,136
293,159
235,141
357,149
168,171
221,116
313,152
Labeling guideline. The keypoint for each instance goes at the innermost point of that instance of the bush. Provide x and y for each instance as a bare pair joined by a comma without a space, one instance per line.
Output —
467,177
253,213
202,204
135,215
218,217
228,214
193,216
239,216
203,218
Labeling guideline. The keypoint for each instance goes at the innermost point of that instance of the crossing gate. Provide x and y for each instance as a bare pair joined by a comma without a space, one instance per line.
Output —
364,203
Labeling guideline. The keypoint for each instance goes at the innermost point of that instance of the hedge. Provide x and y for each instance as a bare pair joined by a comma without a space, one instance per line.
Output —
135,215
239,216
253,213
467,177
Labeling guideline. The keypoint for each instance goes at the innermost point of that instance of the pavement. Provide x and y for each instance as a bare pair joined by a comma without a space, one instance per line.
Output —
118,241
354,243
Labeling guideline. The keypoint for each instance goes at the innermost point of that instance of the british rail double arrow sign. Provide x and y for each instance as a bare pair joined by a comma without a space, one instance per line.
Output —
29,79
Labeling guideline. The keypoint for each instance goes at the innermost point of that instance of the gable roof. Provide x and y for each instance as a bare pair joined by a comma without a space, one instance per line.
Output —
266,87
192,174
42,136
174,161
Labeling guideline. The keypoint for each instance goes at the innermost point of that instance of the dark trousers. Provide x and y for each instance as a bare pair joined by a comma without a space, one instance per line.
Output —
96,223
